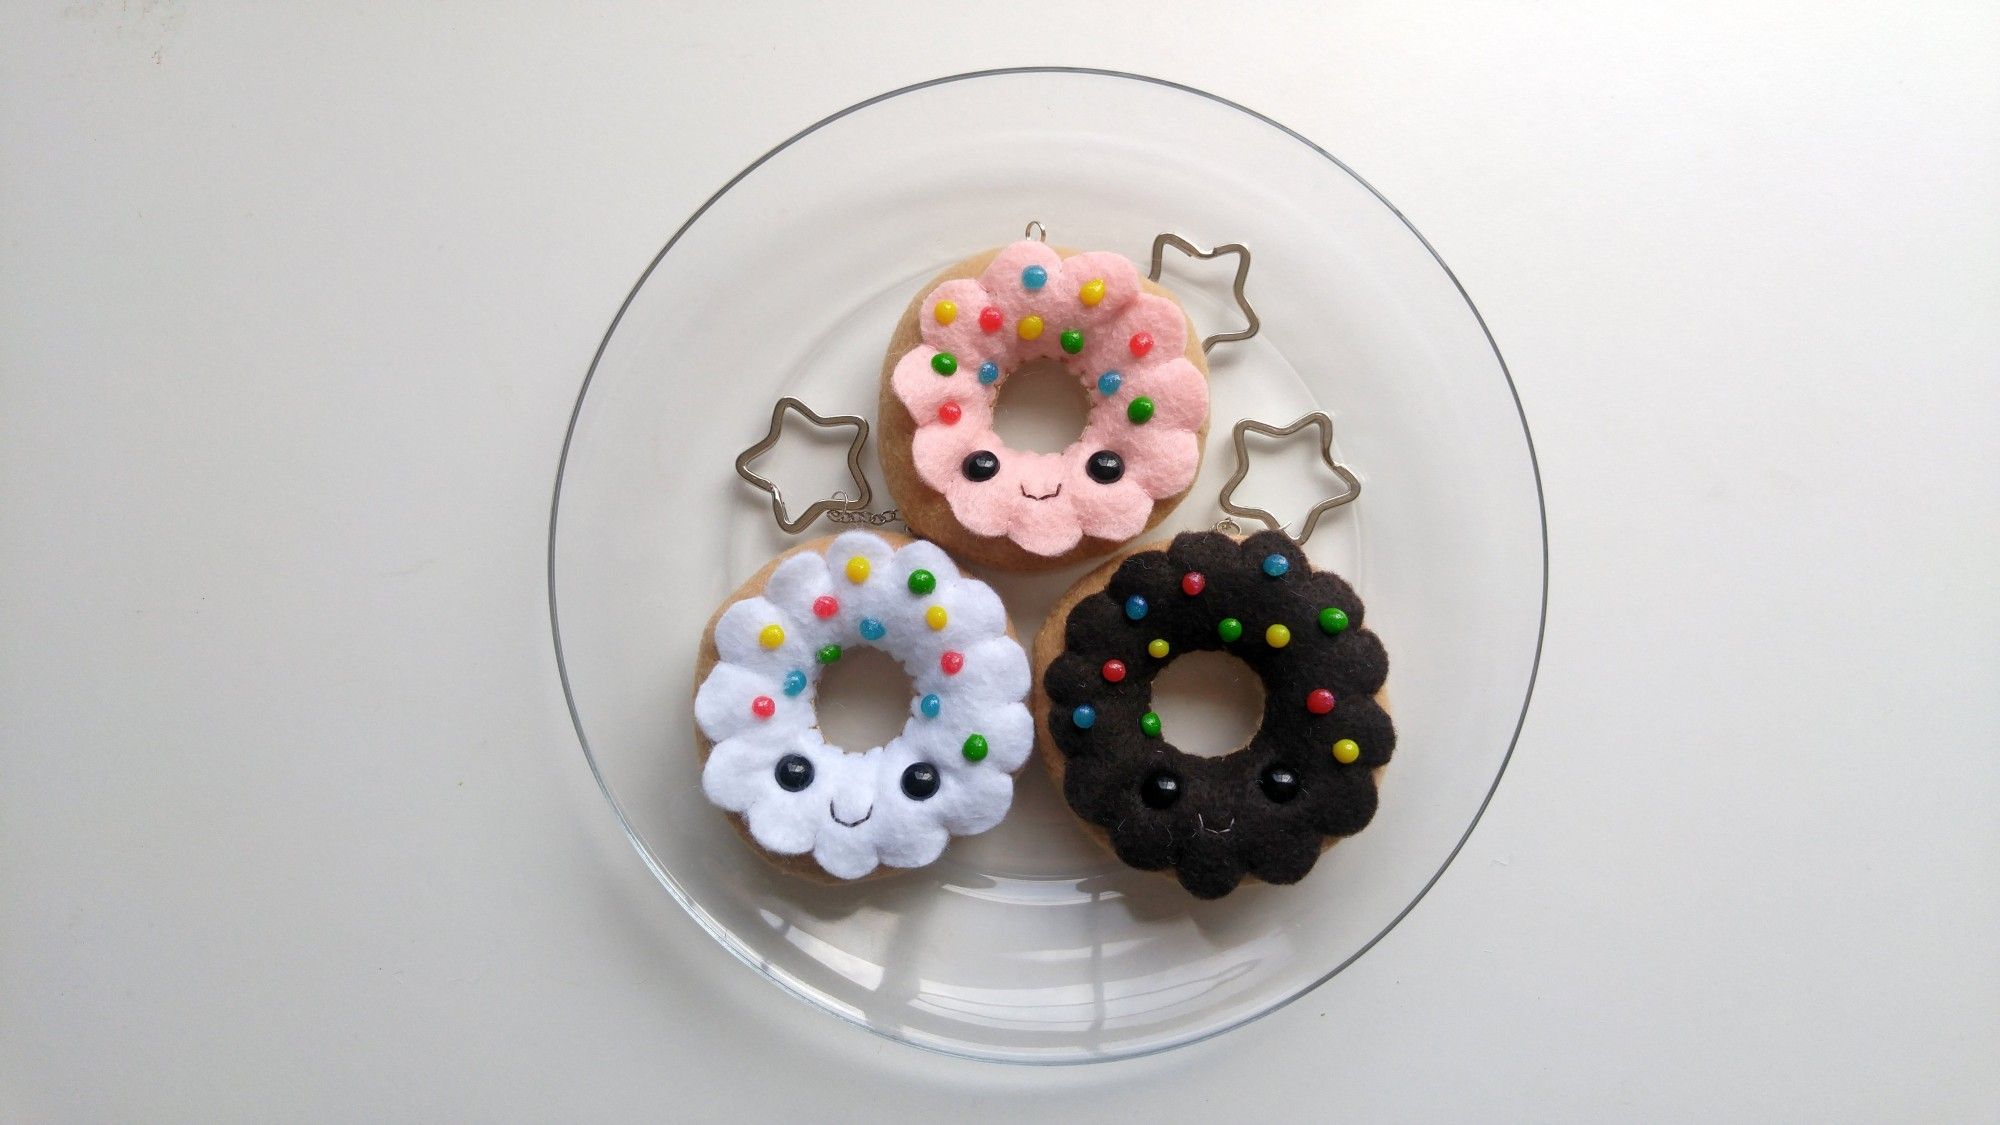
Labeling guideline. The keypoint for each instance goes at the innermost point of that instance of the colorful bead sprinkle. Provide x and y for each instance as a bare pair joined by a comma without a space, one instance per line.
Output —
771,636
1346,751
1276,565
1193,582
1084,717
1141,343
1034,277
1332,620
944,363
828,653
1136,607
1319,701
1139,410
825,606
935,617
974,748
1150,724
930,705
945,311
1158,648
1278,636
922,582
1072,341
1114,671
989,319
1092,292
1109,382
1229,629
763,707
989,373
872,630
950,413
1030,328
795,682
857,570
951,663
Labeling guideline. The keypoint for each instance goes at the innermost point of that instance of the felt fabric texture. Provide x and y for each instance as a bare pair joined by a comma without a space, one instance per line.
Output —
1224,826
1045,502
854,814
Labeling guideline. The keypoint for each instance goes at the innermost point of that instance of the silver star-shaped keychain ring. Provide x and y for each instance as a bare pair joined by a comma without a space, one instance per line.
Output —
1317,418
839,501
1242,253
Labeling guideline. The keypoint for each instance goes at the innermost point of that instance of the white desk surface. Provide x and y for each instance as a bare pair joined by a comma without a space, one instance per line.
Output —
293,305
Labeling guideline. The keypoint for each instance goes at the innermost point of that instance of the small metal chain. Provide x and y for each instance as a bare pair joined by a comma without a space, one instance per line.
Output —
872,519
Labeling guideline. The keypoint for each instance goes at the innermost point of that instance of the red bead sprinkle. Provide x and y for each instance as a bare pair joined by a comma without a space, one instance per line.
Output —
763,707
1320,701
1114,670
952,663
950,413
1142,342
825,606
989,319
1193,582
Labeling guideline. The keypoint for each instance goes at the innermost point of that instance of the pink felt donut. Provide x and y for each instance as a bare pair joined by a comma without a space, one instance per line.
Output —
1126,342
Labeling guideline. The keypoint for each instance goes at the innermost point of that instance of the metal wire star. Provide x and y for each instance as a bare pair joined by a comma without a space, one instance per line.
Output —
1242,252
838,502
1325,423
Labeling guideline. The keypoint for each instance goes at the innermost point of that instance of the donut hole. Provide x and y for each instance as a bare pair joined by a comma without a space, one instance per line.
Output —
1041,407
864,699
1209,703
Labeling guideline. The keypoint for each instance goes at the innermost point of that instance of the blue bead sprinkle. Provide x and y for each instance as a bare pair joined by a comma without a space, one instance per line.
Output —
1084,717
989,373
1109,382
1135,607
930,705
872,629
795,682
1276,565
1034,277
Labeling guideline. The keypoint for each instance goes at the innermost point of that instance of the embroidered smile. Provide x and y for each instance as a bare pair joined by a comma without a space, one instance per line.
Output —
849,823
1044,496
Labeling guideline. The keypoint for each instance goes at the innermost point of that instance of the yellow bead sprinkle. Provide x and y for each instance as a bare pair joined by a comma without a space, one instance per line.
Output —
945,311
934,617
1346,751
1157,648
1092,292
1277,636
771,636
1030,327
857,570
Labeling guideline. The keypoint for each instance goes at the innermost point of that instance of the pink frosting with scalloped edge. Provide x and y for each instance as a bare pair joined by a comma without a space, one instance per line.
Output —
1047,502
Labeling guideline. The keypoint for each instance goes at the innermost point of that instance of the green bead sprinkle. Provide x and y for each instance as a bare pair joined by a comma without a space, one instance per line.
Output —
944,363
974,748
829,653
1229,629
1150,723
1332,620
922,582
1140,410
1072,341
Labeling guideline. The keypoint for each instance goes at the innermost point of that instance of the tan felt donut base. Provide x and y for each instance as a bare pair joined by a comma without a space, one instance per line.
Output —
925,510
802,865
1049,645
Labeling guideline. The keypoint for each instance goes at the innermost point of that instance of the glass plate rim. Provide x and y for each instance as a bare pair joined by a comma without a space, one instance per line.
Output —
672,886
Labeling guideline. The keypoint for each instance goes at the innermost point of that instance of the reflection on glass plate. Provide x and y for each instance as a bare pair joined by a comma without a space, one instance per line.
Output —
1031,943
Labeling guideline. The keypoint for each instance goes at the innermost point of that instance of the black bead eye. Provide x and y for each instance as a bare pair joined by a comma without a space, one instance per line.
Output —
1160,789
1105,466
980,465
794,773
1279,783
920,782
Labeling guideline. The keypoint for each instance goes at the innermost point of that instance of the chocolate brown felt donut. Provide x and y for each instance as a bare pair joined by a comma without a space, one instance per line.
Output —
1265,811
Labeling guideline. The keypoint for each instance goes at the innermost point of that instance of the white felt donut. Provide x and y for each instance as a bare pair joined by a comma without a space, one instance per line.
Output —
969,722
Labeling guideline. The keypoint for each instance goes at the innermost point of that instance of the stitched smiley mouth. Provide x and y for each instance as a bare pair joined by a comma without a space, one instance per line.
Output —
1201,822
1044,496
849,823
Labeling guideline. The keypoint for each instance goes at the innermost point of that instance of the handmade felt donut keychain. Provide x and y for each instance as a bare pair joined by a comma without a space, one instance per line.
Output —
1304,780
817,809
1122,338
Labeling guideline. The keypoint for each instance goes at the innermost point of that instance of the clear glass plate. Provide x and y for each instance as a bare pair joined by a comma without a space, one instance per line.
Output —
1031,943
